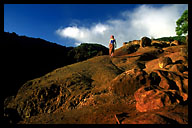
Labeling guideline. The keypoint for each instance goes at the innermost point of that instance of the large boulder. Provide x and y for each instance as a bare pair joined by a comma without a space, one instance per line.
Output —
169,80
174,43
165,88
128,82
148,98
179,68
145,41
126,49
164,61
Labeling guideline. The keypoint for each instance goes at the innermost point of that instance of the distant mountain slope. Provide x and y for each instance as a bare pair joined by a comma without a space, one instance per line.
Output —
26,58
86,51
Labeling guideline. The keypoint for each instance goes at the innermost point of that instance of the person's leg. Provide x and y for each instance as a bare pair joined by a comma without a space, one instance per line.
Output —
112,51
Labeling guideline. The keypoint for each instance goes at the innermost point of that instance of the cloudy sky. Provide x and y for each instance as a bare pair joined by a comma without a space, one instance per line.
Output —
72,24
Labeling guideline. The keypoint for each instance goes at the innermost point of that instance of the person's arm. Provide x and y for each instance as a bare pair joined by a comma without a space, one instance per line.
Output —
109,42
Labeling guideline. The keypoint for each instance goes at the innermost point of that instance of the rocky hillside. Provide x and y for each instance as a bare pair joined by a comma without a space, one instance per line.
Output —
26,58
140,85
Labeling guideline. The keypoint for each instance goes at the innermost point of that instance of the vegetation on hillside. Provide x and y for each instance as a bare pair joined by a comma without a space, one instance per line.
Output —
170,39
181,29
86,51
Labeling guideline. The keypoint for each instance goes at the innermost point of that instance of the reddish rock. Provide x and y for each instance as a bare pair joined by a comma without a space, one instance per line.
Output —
148,99
128,82
165,88
95,90
152,65
173,81
179,68
164,61
174,43
173,49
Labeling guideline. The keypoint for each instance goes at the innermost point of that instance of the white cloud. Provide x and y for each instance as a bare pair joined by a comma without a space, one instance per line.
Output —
145,20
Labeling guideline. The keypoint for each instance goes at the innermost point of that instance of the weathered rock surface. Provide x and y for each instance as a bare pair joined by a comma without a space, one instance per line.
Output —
160,44
148,99
63,88
174,43
164,61
165,88
128,82
132,86
145,41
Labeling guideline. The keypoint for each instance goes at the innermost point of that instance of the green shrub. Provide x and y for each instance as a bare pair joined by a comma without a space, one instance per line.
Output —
170,39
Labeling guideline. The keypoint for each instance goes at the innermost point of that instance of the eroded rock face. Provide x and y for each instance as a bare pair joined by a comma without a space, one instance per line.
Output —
128,82
149,98
41,97
166,88
104,86
42,100
164,61
172,60
178,68
62,89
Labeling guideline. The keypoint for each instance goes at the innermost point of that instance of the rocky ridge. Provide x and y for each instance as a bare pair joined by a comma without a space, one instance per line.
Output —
26,58
140,85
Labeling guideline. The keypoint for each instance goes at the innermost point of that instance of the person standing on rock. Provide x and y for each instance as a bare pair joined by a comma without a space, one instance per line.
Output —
112,45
